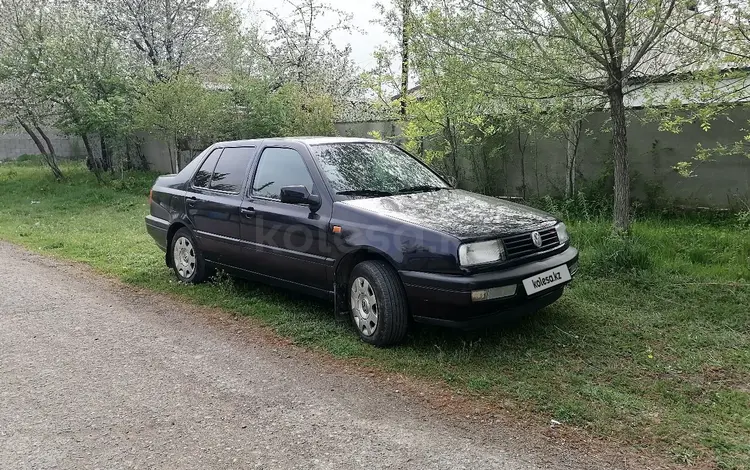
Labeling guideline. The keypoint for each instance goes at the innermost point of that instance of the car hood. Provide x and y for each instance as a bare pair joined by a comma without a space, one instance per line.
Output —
459,213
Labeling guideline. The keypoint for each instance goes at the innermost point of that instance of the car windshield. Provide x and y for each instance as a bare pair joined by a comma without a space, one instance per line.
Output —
374,169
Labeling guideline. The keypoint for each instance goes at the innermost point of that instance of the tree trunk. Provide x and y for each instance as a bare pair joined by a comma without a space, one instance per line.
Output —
522,152
48,154
106,156
144,165
405,13
51,156
126,164
621,216
177,155
171,158
573,138
450,135
91,159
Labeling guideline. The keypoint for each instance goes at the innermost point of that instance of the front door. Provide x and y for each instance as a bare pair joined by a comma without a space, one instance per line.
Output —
286,242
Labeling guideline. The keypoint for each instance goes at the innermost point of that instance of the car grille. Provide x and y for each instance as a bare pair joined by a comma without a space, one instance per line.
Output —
518,246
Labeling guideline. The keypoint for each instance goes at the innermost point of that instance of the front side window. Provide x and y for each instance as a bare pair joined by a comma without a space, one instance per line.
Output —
231,171
277,168
376,168
203,177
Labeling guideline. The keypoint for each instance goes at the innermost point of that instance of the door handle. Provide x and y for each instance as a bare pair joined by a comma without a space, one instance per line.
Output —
191,201
248,213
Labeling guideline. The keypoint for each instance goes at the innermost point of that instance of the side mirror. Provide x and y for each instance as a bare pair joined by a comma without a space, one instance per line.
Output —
452,181
300,195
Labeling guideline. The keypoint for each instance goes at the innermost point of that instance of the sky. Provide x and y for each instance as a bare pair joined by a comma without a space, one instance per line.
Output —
363,44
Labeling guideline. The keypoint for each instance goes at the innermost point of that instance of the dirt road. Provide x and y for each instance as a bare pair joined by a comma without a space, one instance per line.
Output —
97,375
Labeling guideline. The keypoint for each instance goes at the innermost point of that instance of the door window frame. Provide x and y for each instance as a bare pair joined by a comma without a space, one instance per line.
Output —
254,173
192,179
250,165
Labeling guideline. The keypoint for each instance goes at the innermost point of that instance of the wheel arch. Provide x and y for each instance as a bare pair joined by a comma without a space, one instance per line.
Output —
344,268
177,225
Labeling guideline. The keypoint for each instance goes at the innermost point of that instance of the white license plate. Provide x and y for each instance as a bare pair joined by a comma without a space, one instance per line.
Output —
547,280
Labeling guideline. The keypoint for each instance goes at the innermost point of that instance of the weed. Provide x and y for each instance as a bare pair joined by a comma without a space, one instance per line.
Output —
224,283
743,220
618,255
580,207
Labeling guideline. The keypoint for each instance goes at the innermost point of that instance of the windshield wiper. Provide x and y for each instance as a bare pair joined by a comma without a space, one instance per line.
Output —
420,189
364,192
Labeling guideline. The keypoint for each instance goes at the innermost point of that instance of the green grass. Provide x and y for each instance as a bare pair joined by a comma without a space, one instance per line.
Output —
649,347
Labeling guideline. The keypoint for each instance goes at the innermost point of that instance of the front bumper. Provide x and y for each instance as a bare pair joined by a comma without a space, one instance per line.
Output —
445,299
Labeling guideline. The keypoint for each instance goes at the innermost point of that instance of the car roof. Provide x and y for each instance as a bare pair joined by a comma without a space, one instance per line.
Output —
302,140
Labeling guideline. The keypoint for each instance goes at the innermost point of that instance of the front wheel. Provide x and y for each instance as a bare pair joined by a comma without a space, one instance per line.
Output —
378,303
187,260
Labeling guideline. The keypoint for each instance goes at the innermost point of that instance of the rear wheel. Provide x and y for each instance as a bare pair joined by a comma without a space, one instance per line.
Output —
378,304
187,260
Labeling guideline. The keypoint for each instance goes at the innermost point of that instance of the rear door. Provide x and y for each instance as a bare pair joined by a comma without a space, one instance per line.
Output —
213,203
287,242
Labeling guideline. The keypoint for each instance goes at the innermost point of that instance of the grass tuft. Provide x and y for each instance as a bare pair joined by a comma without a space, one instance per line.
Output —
618,255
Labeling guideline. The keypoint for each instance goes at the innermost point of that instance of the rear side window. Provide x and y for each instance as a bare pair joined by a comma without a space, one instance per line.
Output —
231,171
278,168
203,177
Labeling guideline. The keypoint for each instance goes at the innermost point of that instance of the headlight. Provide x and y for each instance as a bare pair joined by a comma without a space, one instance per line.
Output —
473,254
562,233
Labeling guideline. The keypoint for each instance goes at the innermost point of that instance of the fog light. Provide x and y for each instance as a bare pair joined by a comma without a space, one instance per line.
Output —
493,294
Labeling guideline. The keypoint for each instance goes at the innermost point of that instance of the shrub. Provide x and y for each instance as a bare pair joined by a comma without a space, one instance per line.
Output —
618,255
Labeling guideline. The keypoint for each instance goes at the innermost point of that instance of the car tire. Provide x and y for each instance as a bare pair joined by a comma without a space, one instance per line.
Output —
378,304
187,259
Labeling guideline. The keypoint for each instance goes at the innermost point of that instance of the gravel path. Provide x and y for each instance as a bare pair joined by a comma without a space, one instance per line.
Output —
97,375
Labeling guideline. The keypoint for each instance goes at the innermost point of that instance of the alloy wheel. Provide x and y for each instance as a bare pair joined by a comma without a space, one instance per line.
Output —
184,257
364,306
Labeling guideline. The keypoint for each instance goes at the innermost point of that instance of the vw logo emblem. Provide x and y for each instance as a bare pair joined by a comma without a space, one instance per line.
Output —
536,237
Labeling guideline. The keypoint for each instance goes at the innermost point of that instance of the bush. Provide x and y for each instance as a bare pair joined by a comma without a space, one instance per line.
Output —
618,255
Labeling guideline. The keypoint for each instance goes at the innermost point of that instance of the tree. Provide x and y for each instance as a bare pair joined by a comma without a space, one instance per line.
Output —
23,50
89,83
182,112
543,49
463,120
170,35
398,21
446,108
185,70
261,113
298,50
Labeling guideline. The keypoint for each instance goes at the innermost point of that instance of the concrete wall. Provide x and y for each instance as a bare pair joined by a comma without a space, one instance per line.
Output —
156,152
14,143
653,154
